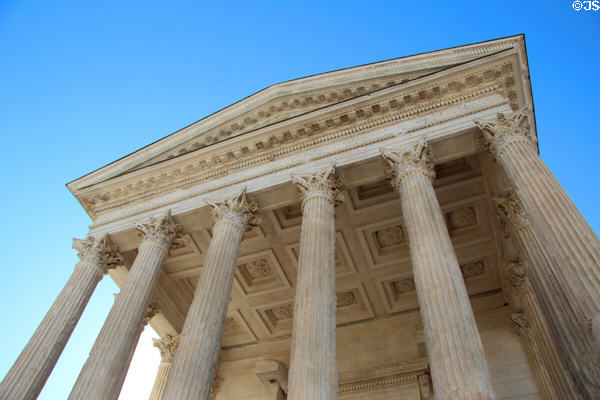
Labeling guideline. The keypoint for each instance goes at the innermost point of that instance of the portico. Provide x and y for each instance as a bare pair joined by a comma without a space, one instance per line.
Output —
352,228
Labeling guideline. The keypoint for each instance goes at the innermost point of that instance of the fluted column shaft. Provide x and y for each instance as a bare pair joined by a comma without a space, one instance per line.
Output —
569,240
167,347
104,371
554,379
160,380
557,324
313,368
193,368
522,327
30,371
459,369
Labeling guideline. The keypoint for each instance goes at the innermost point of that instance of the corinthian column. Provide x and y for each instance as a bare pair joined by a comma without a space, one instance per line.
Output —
522,327
104,371
552,376
552,318
568,238
458,366
313,369
167,347
194,365
29,373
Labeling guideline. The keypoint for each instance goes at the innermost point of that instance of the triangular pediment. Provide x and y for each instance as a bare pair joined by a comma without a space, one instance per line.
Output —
280,103
288,100
266,124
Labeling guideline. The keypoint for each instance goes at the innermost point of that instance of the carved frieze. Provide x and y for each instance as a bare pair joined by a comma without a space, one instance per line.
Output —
282,109
302,137
287,106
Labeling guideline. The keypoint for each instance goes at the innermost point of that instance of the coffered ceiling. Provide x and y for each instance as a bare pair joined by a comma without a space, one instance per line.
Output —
373,268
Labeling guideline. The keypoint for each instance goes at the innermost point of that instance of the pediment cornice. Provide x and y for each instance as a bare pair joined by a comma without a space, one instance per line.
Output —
337,122
282,108
289,99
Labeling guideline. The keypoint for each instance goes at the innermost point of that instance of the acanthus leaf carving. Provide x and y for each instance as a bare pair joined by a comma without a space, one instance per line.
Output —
100,252
237,210
167,347
162,231
323,184
521,325
502,131
511,214
517,277
151,311
415,158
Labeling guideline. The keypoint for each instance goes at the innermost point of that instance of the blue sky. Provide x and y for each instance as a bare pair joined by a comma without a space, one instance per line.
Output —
85,83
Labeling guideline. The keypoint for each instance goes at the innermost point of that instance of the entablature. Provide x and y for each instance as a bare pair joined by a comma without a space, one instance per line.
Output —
336,123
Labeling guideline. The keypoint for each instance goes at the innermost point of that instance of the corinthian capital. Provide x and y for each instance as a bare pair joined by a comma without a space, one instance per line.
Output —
503,130
100,252
517,278
167,347
415,158
162,231
521,324
151,311
511,214
237,209
323,184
